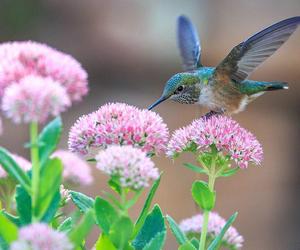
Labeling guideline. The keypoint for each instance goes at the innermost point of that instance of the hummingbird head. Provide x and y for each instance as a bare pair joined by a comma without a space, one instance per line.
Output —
182,88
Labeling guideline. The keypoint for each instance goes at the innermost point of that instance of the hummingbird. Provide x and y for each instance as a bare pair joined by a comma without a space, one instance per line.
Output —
226,87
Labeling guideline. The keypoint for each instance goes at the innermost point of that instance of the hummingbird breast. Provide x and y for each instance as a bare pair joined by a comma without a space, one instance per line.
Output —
223,97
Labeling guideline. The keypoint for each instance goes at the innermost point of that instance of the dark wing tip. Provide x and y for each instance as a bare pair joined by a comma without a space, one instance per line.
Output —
281,24
183,20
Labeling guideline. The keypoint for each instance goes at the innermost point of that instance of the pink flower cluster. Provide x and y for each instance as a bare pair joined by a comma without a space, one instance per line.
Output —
1,127
33,75
22,162
215,224
223,132
33,99
76,170
40,236
130,165
118,124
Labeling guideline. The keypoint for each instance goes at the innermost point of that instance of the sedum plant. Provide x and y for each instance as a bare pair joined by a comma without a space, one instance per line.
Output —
119,140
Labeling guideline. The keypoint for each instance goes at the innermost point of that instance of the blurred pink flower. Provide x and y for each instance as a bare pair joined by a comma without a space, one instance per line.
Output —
33,99
39,236
22,162
130,165
118,124
215,224
226,134
76,170
20,59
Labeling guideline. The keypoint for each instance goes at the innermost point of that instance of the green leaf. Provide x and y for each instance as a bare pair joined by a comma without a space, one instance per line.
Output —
195,168
66,225
3,244
114,185
49,138
121,231
8,230
104,243
229,172
195,242
80,231
179,235
141,219
82,201
49,186
157,242
218,240
187,246
52,209
13,169
203,196
23,201
106,215
153,226
11,217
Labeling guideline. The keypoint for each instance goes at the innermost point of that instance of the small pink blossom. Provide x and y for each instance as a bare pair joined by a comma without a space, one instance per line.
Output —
118,124
130,165
34,99
215,224
22,162
20,59
223,132
39,236
76,170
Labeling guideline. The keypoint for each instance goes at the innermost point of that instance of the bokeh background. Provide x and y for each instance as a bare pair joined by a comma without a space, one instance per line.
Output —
129,50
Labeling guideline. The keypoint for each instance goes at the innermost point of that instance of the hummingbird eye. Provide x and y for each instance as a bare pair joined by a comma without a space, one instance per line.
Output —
179,89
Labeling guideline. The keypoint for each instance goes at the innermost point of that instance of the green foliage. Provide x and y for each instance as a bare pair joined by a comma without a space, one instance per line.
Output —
141,219
48,139
120,232
49,185
195,242
12,218
13,169
195,168
66,225
8,230
203,196
82,229
218,240
106,215
179,235
82,201
114,185
229,172
23,201
104,243
152,233
187,246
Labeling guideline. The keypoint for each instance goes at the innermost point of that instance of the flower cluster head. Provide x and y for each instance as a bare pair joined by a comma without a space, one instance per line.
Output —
40,236
34,98
20,59
118,124
37,81
222,132
130,166
1,127
193,225
76,170
22,162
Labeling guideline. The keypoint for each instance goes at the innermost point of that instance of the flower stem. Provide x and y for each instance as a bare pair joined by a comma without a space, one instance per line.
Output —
35,167
211,182
123,201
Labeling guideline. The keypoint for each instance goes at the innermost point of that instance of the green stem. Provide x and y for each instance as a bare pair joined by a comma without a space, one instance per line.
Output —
35,167
124,210
211,183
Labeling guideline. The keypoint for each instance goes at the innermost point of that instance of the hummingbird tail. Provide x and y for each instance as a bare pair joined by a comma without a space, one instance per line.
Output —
276,86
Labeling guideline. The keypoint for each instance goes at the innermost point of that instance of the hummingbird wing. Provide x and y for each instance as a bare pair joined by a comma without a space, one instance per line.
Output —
245,57
188,44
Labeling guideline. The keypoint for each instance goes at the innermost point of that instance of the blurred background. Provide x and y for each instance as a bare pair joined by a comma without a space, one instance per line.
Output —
129,50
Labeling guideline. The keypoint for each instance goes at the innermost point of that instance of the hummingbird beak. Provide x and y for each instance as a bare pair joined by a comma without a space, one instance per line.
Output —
160,100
